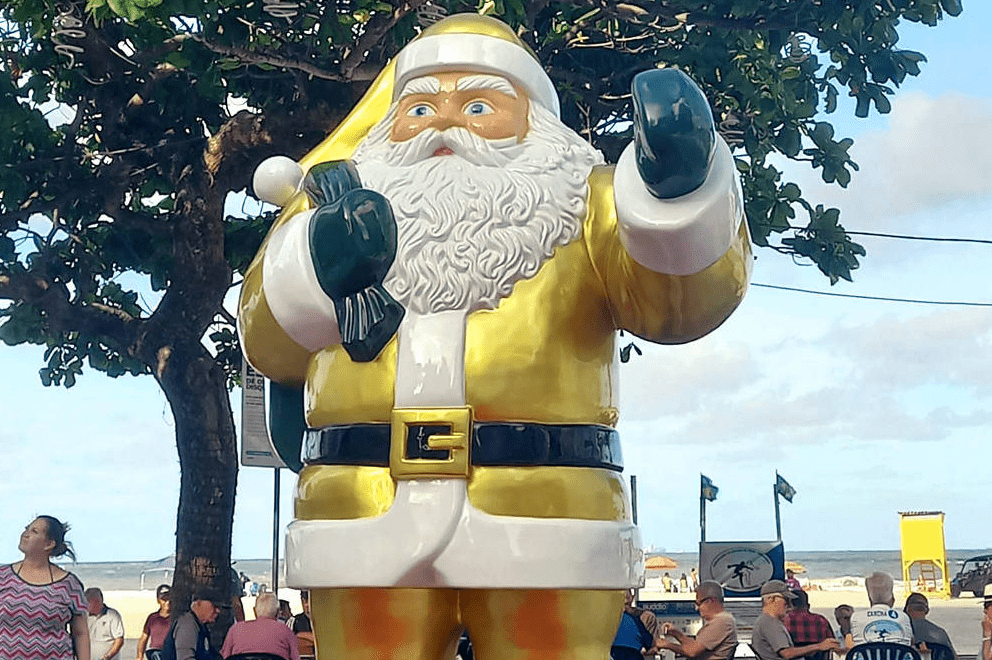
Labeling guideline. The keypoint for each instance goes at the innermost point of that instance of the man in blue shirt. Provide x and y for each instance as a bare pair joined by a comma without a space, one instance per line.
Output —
637,631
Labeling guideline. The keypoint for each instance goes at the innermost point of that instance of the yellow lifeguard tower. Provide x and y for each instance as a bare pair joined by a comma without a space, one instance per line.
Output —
924,555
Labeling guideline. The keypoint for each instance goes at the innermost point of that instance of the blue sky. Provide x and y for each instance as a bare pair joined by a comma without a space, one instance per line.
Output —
868,408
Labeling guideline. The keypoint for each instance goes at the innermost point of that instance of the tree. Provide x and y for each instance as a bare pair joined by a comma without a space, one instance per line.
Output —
127,193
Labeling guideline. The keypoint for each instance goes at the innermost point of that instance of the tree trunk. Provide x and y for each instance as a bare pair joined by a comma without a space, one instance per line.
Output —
205,437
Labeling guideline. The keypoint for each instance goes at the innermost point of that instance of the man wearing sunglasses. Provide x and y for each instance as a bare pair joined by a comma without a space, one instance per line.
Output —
770,640
716,640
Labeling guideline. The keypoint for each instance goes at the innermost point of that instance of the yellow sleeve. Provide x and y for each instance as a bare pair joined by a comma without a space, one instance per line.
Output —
266,346
665,309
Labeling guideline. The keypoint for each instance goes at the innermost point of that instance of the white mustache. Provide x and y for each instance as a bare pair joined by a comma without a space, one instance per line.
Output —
462,142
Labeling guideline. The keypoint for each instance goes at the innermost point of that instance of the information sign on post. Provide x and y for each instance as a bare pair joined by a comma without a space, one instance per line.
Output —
256,445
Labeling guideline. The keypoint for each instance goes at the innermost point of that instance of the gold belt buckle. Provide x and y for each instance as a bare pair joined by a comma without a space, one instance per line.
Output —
415,425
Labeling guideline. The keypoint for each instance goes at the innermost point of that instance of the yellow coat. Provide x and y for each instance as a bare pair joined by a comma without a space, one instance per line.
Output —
546,354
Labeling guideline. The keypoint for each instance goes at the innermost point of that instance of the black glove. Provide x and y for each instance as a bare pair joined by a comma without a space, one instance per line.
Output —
353,244
287,423
674,135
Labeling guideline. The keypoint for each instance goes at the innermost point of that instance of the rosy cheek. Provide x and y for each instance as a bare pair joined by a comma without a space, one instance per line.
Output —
403,131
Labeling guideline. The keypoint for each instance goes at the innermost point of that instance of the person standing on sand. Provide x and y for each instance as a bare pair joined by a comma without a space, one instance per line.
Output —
38,600
156,625
716,640
105,625
792,581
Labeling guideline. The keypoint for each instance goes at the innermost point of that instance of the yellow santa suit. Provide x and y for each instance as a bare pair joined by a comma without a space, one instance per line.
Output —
546,355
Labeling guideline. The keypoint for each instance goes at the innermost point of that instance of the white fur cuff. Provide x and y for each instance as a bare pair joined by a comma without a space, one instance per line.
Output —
291,288
682,235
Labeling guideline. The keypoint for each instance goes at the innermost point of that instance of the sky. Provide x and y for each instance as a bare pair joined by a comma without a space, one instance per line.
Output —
867,408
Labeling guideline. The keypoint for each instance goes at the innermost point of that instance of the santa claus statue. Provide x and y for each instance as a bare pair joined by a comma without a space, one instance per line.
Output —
443,291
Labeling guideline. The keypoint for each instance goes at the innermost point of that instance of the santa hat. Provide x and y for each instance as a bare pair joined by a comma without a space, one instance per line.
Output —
470,42
462,42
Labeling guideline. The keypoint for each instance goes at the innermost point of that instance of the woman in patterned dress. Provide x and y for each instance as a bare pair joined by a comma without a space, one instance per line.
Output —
42,607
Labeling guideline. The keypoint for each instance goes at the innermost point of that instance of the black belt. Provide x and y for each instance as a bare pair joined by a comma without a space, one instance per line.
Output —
493,444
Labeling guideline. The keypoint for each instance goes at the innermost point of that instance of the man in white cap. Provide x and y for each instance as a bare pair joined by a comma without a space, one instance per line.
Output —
442,301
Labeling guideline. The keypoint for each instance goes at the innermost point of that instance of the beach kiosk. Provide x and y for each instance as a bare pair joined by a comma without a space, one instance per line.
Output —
924,555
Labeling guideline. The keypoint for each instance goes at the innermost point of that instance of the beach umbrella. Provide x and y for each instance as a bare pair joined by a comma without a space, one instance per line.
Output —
659,562
795,567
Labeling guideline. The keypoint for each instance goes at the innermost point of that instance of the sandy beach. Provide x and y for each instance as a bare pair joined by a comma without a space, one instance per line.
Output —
961,617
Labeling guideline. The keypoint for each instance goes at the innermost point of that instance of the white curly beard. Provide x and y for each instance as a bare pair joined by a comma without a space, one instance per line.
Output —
472,224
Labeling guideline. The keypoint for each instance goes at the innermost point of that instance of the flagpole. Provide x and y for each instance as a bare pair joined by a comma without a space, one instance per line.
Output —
702,511
778,516
633,497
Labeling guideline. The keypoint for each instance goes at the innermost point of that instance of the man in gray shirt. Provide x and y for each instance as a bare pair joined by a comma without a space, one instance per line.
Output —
189,638
925,632
770,640
716,640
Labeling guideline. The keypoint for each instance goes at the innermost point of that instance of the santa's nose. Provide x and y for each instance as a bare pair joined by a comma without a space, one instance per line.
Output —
444,121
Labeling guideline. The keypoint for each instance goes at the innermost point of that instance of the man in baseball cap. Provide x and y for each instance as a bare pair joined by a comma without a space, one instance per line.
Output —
770,640
157,623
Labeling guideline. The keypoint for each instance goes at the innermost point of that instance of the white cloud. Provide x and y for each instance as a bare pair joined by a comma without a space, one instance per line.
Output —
933,152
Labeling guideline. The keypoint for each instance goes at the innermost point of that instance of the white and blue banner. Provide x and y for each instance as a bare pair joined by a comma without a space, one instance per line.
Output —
741,566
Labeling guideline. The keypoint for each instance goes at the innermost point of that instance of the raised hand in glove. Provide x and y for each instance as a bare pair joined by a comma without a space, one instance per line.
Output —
353,244
674,135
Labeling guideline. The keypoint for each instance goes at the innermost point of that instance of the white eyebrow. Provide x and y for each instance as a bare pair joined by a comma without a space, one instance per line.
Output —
421,85
483,81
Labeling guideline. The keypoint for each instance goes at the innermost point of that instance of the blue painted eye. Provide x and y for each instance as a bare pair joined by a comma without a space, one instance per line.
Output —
478,108
421,110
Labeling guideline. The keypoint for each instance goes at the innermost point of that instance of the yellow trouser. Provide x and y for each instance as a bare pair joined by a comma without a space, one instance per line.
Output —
504,624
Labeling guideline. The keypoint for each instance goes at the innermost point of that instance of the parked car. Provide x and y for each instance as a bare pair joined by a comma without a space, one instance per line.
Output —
975,573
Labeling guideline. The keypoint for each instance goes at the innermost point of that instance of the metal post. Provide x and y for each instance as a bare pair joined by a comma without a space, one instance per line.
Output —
275,532
702,516
778,517
633,496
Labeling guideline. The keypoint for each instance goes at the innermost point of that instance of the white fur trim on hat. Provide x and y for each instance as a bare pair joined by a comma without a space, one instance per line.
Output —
475,52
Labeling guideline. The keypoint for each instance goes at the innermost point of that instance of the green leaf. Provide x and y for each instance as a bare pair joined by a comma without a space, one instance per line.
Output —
952,7
178,59
789,141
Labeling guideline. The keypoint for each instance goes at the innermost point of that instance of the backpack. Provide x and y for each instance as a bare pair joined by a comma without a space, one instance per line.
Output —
168,650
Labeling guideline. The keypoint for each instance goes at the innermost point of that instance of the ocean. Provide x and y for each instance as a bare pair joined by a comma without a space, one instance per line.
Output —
839,567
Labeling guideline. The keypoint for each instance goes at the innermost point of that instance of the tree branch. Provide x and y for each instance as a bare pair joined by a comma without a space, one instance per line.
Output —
249,57
114,326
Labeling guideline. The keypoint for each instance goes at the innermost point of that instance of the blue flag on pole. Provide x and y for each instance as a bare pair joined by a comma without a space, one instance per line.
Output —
783,488
706,488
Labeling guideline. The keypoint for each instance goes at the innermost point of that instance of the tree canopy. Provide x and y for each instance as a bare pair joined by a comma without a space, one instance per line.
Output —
126,124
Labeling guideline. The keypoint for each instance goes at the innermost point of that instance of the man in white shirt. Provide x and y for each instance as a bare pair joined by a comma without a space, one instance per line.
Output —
880,622
106,627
